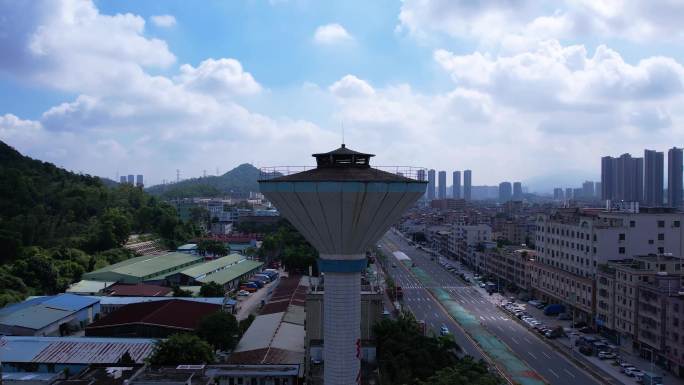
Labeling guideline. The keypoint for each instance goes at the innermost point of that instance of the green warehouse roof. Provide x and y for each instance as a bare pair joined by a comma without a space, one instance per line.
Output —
231,273
197,271
142,268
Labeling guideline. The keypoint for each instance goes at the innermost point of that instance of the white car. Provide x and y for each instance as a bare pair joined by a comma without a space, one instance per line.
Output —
243,293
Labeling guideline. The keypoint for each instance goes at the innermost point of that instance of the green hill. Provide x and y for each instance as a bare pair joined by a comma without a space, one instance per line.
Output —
55,225
242,178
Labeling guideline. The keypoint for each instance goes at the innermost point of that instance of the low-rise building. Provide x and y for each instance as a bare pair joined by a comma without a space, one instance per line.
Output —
511,266
158,319
152,268
56,315
55,354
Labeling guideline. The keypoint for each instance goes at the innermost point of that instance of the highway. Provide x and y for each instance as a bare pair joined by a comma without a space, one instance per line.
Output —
544,360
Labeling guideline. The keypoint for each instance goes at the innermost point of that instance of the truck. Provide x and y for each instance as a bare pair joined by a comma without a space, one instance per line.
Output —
651,378
554,309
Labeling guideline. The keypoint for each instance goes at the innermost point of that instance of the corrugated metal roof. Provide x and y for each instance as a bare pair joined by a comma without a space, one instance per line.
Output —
147,265
73,350
230,273
71,302
104,301
86,286
260,332
212,266
34,317
173,313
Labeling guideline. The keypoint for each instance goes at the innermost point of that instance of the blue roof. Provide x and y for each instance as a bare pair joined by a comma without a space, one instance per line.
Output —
70,302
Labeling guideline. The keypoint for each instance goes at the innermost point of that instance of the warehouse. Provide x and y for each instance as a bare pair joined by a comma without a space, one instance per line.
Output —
55,315
55,354
158,319
150,268
230,277
191,275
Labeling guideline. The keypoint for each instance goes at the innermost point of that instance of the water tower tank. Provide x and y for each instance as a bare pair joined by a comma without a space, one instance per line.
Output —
342,207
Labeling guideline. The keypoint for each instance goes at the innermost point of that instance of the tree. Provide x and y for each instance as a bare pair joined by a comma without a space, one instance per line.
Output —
213,247
211,289
178,292
406,355
220,329
244,324
126,359
465,372
182,349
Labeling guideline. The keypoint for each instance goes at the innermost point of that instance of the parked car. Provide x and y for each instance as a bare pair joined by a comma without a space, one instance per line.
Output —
443,330
632,372
554,309
243,293
606,355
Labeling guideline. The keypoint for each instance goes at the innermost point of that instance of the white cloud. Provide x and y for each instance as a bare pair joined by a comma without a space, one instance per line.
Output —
494,22
163,21
331,34
351,87
219,77
565,77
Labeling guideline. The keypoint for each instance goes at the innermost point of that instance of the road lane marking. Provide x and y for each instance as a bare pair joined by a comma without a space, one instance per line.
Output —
533,356
569,373
554,373
526,340
515,341
546,355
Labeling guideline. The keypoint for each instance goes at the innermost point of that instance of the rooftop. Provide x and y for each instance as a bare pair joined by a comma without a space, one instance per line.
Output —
73,350
87,286
232,272
138,290
147,265
173,313
202,269
39,312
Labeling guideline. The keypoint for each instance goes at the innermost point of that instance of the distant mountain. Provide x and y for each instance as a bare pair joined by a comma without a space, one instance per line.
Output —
567,178
108,182
242,178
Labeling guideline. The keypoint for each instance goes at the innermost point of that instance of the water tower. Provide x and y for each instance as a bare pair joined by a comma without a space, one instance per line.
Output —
342,207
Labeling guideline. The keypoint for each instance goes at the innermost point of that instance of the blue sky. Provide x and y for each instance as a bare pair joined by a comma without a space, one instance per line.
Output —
524,90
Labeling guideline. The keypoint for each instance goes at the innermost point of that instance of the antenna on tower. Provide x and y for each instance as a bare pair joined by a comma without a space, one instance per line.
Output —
343,133
177,175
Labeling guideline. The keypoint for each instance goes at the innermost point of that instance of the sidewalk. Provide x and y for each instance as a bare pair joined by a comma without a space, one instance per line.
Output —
566,345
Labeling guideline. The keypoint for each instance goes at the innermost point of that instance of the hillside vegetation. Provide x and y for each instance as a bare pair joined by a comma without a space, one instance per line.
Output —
242,178
55,225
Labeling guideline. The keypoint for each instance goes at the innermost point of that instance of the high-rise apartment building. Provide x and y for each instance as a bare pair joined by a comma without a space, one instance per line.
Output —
608,177
420,174
588,190
653,178
505,191
622,179
139,180
122,179
558,194
456,187
674,177
568,193
131,179
442,185
467,184
431,185
517,191
598,187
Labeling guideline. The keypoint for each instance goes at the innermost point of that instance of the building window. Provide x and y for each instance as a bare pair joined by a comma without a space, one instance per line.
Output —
661,236
676,224
621,250
661,223
621,237
661,250
650,241
632,224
